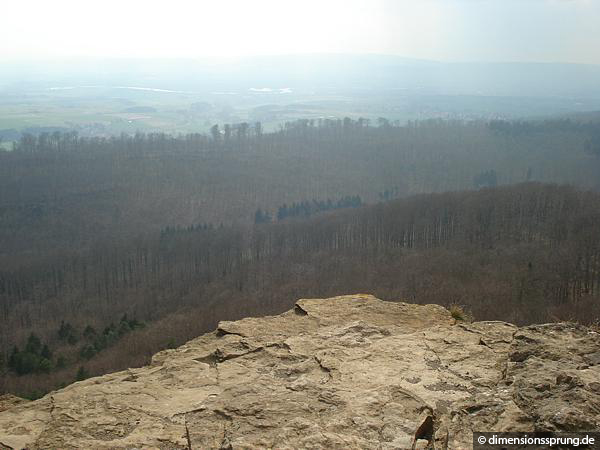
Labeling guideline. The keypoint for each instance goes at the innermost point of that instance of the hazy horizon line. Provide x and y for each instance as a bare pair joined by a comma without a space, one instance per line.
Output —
228,59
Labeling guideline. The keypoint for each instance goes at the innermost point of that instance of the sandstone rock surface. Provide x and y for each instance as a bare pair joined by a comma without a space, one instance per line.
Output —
350,372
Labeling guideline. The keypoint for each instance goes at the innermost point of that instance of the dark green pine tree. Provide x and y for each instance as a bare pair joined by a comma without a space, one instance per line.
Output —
13,359
34,345
46,353
258,216
82,374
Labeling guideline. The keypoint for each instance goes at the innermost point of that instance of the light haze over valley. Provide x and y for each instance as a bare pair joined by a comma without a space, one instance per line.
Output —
117,67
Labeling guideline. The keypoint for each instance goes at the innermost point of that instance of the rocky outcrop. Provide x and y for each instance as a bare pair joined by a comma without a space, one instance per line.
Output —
344,372
8,401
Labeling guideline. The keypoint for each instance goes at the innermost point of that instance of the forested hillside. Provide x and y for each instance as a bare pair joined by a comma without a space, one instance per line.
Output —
63,193
525,253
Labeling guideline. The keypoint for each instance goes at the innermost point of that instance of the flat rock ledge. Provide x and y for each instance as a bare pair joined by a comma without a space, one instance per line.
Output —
349,372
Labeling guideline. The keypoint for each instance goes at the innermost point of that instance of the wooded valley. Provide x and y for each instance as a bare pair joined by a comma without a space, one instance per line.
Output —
114,248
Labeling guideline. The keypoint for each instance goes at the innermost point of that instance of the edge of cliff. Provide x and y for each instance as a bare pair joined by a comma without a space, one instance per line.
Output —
345,372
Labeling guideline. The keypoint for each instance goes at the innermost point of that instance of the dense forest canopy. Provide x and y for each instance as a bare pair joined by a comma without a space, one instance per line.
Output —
68,191
113,248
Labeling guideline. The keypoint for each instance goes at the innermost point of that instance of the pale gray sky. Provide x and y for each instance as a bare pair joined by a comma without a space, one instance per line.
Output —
449,30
